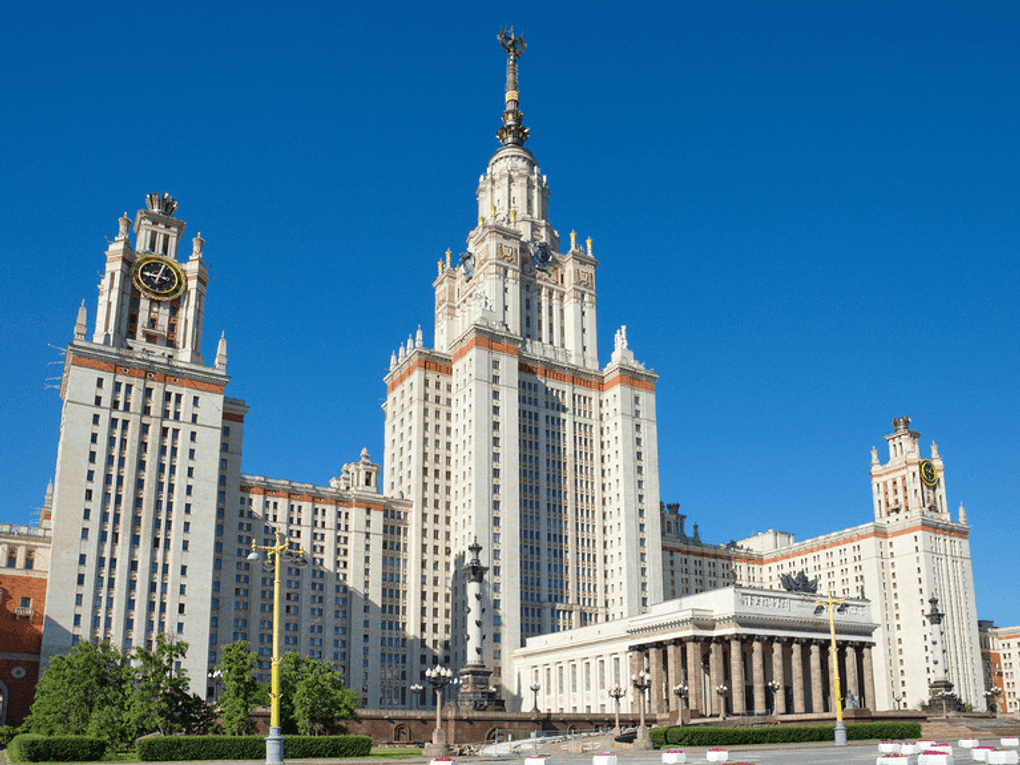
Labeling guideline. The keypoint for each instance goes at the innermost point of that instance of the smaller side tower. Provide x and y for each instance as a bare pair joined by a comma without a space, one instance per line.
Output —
907,484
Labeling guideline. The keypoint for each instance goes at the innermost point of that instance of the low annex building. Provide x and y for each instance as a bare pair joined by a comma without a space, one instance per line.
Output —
740,638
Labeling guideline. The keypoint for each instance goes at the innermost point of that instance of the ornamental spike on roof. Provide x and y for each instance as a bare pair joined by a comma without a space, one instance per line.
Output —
513,132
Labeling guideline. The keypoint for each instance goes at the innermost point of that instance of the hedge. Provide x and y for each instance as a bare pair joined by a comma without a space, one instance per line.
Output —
31,747
779,734
7,734
170,748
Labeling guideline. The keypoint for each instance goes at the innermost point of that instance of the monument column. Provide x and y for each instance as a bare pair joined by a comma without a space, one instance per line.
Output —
779,675
797,674
655,669
869,680
715,676
852,684
694,684
737,674
758,675
817,702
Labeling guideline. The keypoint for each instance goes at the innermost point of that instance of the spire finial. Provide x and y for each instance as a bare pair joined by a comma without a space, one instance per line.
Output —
221,351
513,132
80,326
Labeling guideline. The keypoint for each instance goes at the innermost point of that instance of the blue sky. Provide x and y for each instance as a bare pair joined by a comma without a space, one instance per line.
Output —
805,213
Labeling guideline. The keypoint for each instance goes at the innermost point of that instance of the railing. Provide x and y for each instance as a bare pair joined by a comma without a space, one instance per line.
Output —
23,531
24,611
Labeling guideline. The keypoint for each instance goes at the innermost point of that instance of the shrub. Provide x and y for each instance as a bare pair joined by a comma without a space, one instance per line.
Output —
779,734
7,734
31,747
173,748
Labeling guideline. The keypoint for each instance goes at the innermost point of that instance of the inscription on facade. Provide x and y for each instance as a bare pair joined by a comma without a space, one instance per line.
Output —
764,601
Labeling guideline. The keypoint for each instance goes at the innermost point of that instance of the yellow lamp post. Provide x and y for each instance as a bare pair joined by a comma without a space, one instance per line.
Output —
274,741
840,607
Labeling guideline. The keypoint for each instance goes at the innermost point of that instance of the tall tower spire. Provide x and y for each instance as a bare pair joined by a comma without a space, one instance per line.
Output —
513,132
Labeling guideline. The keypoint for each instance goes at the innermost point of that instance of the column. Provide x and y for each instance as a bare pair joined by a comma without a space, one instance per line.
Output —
779,675
817,702
869,680
758,675
797,662
737,675
715,676
655,669
673,674
637,664
852,684
694,683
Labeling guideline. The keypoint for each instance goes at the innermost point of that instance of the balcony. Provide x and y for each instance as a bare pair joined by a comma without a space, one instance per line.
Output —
26,611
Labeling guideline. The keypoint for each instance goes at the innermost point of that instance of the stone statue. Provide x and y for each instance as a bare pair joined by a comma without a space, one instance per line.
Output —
800,582
851,701
125,224
620,340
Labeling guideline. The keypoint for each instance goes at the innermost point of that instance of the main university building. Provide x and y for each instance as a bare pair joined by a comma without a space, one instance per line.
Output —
507,432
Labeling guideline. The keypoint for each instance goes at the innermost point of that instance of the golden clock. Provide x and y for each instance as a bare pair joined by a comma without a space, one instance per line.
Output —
158,278
929,474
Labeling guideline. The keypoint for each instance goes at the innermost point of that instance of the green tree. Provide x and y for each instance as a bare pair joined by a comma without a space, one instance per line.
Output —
241,690
159,699
84,693
320,701
312,696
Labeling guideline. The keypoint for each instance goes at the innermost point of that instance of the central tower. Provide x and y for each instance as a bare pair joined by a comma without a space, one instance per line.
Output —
509,432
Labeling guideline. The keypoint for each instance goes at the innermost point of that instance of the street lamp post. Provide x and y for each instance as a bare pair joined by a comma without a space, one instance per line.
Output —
438,678
535,688
723,691
774,687
215,677
897,700
274,741
681,691
840,607
617,693
642,681
416,689
990,695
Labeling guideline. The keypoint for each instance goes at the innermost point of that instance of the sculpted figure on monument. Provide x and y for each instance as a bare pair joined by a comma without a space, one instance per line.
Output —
799,583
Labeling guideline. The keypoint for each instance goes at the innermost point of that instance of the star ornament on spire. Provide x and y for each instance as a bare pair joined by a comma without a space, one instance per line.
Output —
513,132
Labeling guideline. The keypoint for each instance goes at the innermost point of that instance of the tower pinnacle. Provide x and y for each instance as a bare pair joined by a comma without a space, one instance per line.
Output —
513,132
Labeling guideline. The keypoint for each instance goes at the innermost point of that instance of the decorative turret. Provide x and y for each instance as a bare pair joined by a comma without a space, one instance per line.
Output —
81,326
221,352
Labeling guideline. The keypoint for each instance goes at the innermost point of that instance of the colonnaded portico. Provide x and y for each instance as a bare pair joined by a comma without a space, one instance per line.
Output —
738,651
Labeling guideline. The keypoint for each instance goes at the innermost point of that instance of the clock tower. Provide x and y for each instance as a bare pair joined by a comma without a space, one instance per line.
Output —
907,484
148,300
149,452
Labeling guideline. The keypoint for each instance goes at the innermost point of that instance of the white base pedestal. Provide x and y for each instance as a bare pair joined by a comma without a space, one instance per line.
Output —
1003,757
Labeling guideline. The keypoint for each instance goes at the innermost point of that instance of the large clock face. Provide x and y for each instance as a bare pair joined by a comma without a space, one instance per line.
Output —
929,474
159,278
